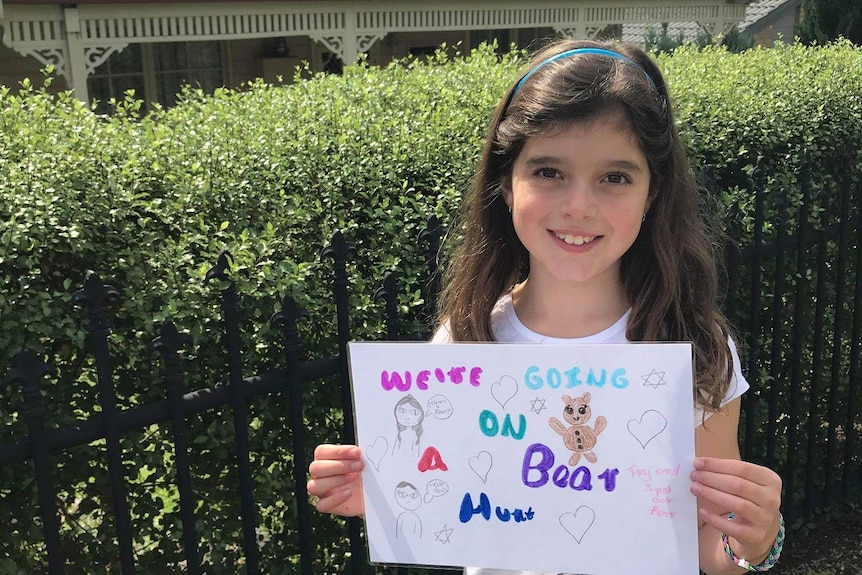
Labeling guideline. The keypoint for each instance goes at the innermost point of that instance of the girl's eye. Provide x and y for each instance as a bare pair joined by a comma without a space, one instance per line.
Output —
617,179
548,173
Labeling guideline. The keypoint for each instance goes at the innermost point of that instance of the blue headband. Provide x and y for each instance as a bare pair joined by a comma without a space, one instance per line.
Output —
576,51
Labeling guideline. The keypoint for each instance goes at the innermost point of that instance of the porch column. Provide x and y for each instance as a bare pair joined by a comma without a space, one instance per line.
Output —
77,69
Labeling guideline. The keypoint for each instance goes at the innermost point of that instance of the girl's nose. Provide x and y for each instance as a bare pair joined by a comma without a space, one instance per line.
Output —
579,200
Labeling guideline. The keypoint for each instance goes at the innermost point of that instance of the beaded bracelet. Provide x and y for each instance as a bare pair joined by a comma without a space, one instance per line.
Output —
771,558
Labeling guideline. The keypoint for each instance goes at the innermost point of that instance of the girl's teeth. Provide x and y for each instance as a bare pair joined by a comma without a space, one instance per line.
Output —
576,240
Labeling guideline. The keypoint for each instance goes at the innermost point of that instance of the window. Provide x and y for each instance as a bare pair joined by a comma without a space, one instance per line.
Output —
179,63
121,72
529,38
157,72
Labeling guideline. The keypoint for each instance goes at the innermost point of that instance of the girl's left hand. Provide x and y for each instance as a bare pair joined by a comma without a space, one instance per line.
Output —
751,492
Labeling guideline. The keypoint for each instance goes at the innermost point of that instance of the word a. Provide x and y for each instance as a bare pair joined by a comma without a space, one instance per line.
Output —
484,509
490,425
579,479
554,378
403,382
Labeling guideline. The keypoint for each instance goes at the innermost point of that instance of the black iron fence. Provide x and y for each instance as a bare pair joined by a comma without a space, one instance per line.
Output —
795,292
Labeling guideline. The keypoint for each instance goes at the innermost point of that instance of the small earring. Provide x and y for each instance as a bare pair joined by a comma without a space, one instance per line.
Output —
510,209
643,218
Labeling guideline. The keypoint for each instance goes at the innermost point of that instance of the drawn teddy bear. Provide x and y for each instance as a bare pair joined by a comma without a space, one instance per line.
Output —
579,437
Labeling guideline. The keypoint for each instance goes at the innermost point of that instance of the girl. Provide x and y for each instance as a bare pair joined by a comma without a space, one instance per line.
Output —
582,227
408,418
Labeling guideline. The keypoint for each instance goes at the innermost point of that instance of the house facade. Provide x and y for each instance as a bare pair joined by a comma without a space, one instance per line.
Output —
100,48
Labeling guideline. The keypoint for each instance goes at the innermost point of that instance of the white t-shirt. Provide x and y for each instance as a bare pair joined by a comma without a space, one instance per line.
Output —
507,328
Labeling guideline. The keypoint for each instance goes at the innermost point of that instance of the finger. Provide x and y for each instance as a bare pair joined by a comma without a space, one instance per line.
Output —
334,500
331,467
322,487
333,451
727,496
742,531
757,474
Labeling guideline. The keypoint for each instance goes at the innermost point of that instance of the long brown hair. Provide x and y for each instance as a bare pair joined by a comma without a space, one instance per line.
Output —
669,272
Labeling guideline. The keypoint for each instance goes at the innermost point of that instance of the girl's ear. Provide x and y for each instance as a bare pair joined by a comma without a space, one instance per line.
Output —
650,199
506,192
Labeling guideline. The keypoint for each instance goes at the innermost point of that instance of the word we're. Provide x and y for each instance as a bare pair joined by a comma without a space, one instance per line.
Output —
403,381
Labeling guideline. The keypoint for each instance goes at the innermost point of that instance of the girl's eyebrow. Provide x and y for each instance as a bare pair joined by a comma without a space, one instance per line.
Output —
626,165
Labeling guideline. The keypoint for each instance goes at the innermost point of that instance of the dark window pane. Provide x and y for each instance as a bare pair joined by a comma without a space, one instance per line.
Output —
165,56
203,55
207,80
127,61
195,63
100,89
168,86
124,83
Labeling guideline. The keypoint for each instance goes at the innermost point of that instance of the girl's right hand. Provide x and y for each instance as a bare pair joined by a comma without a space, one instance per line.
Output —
336,481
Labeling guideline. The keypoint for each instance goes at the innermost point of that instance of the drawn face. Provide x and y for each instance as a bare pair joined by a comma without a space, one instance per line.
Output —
408,497
577,413
577,198
409,413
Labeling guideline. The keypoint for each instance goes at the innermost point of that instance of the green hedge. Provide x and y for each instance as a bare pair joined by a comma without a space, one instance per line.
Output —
270,173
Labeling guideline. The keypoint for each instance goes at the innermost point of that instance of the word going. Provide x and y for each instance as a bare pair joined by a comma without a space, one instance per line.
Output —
490,425
554,378
579,479
456,375
484,509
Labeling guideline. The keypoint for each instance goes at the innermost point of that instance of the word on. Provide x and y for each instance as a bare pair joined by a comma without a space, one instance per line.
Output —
490,425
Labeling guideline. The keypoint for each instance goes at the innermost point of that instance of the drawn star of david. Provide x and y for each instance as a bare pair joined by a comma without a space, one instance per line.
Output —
443,535
654,379
538,406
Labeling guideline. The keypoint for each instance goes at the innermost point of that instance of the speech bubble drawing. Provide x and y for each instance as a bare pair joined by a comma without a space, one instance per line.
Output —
648,427
440,407
481,465
435,488
578,523
377,451
504,390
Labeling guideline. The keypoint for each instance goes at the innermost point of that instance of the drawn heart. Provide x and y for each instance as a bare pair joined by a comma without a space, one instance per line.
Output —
376,451
578,523
481,465
504,390
648,427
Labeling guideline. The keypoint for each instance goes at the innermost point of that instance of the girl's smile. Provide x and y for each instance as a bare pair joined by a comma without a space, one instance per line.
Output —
578,197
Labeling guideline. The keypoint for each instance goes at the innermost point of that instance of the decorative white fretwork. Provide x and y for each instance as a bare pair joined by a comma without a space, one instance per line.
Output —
334,44
365,41
96,56
50,56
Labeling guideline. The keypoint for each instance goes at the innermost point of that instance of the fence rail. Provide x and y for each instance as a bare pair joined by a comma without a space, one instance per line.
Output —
794,285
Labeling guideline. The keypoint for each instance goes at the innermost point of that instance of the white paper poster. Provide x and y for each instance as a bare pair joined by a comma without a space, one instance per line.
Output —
569,459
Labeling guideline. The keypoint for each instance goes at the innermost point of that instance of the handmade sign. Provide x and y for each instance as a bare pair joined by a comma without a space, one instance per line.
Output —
570,459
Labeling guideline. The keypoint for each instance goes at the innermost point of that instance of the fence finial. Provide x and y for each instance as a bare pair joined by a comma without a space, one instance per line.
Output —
338,248
388,292
170,340
220,269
